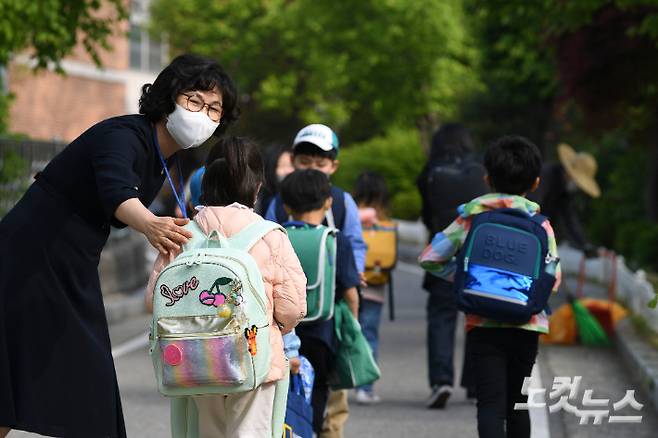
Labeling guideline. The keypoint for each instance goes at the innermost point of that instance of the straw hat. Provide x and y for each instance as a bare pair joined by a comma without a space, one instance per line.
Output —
581,167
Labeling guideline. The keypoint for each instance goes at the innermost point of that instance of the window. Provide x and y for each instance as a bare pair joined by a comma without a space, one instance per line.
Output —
146,52
135,46
155,55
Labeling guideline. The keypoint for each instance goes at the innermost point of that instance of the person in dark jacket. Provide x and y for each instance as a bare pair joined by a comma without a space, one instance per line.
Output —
560,184
451,177
57,377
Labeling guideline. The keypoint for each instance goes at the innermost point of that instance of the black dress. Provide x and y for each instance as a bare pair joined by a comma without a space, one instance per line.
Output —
57,375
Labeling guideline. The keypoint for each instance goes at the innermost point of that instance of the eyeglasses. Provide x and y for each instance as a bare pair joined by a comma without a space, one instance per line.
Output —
195,104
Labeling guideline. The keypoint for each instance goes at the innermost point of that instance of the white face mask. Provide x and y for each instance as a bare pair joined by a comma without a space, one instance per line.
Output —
190,129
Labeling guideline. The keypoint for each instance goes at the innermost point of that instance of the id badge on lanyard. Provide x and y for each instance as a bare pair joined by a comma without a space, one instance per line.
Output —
180,198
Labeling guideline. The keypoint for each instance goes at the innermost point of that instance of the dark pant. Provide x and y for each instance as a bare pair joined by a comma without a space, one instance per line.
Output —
502,358
321,358
468,379
441,323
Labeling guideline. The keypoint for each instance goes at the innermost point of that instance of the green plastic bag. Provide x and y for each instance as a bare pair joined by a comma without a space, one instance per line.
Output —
590,331
355,365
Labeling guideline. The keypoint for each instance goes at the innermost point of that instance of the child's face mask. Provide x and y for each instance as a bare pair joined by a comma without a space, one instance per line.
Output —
190,129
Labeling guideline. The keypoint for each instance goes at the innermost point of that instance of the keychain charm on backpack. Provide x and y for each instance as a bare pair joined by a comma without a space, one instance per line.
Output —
250,334
225,311
218,298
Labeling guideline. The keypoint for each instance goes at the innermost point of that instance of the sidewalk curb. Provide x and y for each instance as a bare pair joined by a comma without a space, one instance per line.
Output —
641,359
125,307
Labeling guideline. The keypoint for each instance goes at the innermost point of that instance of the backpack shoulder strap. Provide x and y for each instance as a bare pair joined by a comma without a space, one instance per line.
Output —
198,236
329,218
338,210
510,211
279,211
539,219
252,233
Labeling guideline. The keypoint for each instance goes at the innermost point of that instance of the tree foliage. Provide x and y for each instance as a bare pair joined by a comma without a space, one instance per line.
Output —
357,66
517,69
540,56
584,72
397,157
52,28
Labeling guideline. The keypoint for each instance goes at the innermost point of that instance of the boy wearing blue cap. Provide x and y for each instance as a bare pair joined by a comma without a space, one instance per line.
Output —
316,147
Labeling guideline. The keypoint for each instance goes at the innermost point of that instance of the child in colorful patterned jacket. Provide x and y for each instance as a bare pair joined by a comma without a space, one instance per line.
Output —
503,354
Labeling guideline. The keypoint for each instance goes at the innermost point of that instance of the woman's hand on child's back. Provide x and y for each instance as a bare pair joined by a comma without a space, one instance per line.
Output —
167,234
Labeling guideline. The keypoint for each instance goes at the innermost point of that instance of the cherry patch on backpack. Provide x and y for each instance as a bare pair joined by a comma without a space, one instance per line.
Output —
214,297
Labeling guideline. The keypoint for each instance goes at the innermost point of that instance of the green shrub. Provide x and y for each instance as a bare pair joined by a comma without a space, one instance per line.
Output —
13,172
12,167
406,205
617,219
398,157
636,240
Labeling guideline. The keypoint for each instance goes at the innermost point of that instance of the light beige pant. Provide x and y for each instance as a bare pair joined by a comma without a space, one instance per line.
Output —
246,415
338,411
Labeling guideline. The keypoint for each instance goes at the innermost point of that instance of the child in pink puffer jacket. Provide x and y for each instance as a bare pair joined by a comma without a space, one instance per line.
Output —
234,174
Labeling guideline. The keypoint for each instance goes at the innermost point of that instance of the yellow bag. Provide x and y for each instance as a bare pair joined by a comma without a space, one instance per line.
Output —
382,255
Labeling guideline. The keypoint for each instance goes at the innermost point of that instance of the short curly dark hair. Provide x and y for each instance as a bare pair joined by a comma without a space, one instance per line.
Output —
305,190
185,73
513,164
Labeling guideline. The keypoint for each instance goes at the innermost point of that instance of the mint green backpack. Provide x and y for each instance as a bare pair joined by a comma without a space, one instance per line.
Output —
316,249
210,331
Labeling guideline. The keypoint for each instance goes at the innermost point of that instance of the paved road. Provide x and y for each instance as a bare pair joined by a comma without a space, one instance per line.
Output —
404,384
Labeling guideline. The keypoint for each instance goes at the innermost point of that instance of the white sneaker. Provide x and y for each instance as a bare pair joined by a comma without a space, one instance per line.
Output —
439,397
366,398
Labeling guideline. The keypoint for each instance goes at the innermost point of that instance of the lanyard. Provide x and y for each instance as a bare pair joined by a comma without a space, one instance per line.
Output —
180,199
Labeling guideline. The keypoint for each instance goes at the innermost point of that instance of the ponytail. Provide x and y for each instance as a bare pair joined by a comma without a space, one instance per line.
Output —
234,173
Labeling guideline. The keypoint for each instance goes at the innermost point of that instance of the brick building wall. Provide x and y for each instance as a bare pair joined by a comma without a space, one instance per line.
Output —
48,106
117,58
